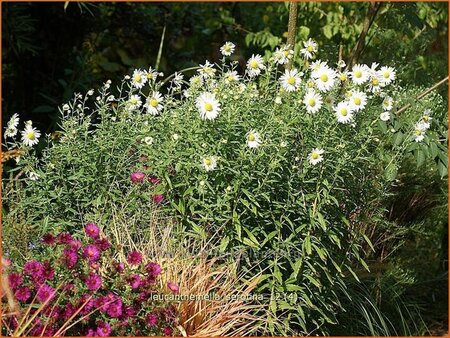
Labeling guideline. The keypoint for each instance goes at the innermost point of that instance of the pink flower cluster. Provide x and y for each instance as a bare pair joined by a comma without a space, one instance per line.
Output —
111,298
139,177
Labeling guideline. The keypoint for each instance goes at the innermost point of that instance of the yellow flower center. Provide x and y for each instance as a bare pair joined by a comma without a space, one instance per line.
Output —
386,74
31,135
425,118
153,102
208,106
342,77
312,102
230,78
357,101
314,155
418,132
344,112
324,77
291,80
253,64
150,76
358,73
138,78
375,82
208,161
251,137
227,48
310,48
286,53
133,101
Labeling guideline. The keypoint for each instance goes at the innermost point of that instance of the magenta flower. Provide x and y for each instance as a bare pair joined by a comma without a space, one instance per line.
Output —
92,230
173,287
134,257
151,319
135,281
137,177
48,272
101,303
69,311
103,244
91,252
114,310
93,282
119,266
91,333
103,329
86,304
14,280
23,294
158,198
45,293
64,238
153,269
75,244
154,180
167,331
129,311
34,269
48,239
70,257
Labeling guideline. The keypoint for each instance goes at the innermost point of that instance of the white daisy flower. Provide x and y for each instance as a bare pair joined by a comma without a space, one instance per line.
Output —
282,55
426,119
324,79
175,137
207,70
227,49
254,65
310,49
359,74
290,80
13,121
148,140
419,132
196,81
388,102
177,79
10,132
315,156
344,112
278,100
387,74
209,163
208,106
134,102
231,76
30,135
341,64
154,103
375,83
33,176
151,74
317,67
138,79
386,116
358,100
312,101
253,139
343,76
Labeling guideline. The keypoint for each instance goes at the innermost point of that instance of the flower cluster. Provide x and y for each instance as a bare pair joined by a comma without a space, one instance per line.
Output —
84,286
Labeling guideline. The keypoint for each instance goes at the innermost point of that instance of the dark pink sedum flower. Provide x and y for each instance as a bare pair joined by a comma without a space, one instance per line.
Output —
48,239
158,199
153,269
167,331
103,244
134,257
91,252
23,294
173,287
135,281
70,257
93,282
64,238
14,280
137,177
103,329
151,319
34,269
154,180
45,293
92,230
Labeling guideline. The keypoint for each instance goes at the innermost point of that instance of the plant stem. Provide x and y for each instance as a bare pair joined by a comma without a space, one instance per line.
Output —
425,92
292,25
